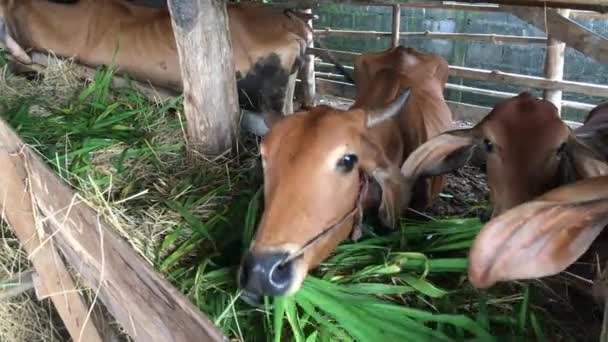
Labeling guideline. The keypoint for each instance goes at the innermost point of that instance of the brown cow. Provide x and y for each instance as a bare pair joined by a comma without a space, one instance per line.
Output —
594,132
318,166
266,58
426,114
544,236
528,148
541,237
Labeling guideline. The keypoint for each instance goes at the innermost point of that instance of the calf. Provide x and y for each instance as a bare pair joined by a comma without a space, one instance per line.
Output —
544,236
528,150
268,43
380,76
321,166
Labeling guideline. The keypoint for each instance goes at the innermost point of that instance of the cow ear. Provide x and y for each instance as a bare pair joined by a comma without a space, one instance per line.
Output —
11,45
583,160
542,237
441,154
376,165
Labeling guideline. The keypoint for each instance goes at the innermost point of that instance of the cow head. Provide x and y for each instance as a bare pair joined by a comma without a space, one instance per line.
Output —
415,70
528,150
317,166
541,237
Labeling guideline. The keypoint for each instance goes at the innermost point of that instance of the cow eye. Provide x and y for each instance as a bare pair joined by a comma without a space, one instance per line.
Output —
488,145
561,148
347,162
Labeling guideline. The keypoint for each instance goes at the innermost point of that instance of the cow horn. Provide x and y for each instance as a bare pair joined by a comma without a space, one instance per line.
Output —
378,116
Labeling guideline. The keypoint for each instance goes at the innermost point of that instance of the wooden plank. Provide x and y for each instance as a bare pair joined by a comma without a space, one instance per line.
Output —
18,210
495,76
554,65
494,38
566,30
462,111
588,5
210,96
395,27
144,303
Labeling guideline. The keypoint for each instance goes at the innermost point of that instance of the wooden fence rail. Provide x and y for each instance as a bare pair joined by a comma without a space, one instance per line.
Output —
495,38
146,305
493,76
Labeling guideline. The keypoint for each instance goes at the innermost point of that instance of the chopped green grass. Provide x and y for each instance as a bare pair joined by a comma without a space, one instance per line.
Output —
126,156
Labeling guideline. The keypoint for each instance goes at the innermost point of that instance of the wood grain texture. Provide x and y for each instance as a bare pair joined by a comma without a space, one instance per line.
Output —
145,304
19,211
205,55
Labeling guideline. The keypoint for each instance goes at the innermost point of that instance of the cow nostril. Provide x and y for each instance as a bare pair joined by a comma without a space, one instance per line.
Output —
266,274
281,275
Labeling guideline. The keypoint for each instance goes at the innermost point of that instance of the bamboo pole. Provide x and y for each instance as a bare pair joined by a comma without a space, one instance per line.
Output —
568,31
554,65
462,111
496,76
473,90
396,26
588,5
307,83
494,38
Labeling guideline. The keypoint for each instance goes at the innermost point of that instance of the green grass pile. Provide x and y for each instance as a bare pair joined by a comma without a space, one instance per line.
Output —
125,155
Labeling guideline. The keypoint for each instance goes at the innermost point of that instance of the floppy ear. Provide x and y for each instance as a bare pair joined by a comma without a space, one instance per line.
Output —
541,237
11,45
580,162
441,154
376,165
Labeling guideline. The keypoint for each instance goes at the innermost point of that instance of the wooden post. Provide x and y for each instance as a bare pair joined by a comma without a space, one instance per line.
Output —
205,55
554,65
307,74
396,25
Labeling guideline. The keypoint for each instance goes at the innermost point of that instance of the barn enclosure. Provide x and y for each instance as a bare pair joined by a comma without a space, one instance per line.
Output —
127,207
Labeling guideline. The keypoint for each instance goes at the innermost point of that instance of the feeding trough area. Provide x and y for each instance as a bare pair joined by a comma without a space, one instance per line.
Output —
154,191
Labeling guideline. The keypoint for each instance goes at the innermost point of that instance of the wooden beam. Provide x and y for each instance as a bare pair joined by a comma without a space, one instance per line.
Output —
396,24
205,57
554,65
144,303
566,30
19,212
496,76
494,38
588,5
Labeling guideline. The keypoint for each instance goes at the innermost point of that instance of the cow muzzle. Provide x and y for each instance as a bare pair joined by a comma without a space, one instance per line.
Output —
266,273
